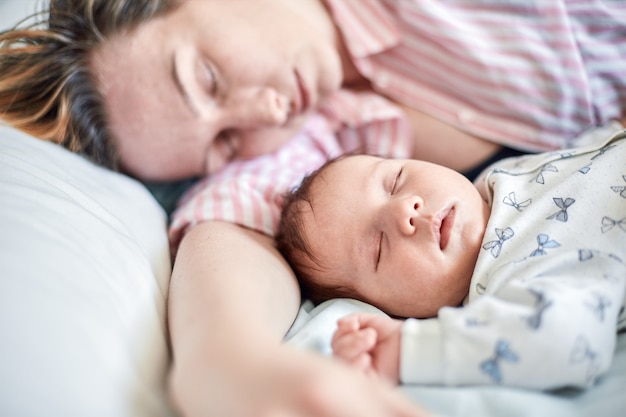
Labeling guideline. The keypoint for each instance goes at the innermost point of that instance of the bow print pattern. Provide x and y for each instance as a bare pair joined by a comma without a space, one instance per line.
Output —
608,224
621,190
540,179
561,215
541,305
511,200
602,151
491,366
599,306
543,242
496,245
581,354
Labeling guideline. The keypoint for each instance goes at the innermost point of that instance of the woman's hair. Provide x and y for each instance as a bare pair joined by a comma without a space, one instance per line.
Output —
293,244
47,88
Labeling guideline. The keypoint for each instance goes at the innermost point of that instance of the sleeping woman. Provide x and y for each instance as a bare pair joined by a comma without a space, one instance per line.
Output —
253,94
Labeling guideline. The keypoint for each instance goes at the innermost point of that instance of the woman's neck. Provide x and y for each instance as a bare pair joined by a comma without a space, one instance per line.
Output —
352,78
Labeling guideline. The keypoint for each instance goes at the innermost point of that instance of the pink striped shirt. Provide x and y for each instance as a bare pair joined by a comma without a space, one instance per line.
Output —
530,74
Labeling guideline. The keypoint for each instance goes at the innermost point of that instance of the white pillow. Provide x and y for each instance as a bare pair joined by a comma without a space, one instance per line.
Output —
12,11
84,272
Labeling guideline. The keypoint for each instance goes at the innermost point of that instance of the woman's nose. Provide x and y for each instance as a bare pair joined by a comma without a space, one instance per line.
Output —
257,107
405,211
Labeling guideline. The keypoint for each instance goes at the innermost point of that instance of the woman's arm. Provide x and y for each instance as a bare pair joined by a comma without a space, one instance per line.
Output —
437,142
232,299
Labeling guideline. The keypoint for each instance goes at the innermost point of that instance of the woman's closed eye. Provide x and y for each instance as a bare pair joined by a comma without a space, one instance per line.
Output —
207,77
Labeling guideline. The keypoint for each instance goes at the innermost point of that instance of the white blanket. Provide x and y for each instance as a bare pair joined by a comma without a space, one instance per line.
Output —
314,327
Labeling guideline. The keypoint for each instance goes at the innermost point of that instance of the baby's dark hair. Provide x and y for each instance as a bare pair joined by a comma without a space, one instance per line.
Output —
293,244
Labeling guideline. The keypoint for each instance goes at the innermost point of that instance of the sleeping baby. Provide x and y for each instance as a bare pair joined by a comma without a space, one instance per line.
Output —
517,280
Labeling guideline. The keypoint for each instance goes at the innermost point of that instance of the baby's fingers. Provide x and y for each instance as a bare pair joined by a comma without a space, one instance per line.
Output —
349,346
347,324
362,362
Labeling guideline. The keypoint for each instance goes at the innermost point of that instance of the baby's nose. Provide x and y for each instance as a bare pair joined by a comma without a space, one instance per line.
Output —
406,210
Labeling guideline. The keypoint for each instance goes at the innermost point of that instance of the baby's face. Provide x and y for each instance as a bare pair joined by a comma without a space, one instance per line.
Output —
404,234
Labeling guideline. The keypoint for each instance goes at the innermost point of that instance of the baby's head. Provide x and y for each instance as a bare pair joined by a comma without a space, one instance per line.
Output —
402,235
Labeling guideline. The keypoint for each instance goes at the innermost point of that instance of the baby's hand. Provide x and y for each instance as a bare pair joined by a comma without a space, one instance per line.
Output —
371,343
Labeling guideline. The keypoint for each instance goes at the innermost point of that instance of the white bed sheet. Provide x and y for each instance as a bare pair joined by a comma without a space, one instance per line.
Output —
314,327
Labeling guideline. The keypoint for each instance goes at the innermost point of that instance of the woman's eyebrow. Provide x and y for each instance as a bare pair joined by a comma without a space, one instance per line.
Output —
180,87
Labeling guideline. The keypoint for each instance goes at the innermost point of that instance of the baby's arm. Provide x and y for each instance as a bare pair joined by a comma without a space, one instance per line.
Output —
371,343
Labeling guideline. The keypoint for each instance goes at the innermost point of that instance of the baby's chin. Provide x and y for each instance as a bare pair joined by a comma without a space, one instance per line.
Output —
421,312
454,297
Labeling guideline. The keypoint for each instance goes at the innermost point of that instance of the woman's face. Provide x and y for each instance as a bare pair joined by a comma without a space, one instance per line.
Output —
215,80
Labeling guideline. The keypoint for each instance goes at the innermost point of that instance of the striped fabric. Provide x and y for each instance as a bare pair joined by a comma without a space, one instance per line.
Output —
530,74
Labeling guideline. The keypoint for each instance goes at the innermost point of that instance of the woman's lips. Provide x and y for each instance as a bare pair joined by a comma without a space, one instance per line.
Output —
445,224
